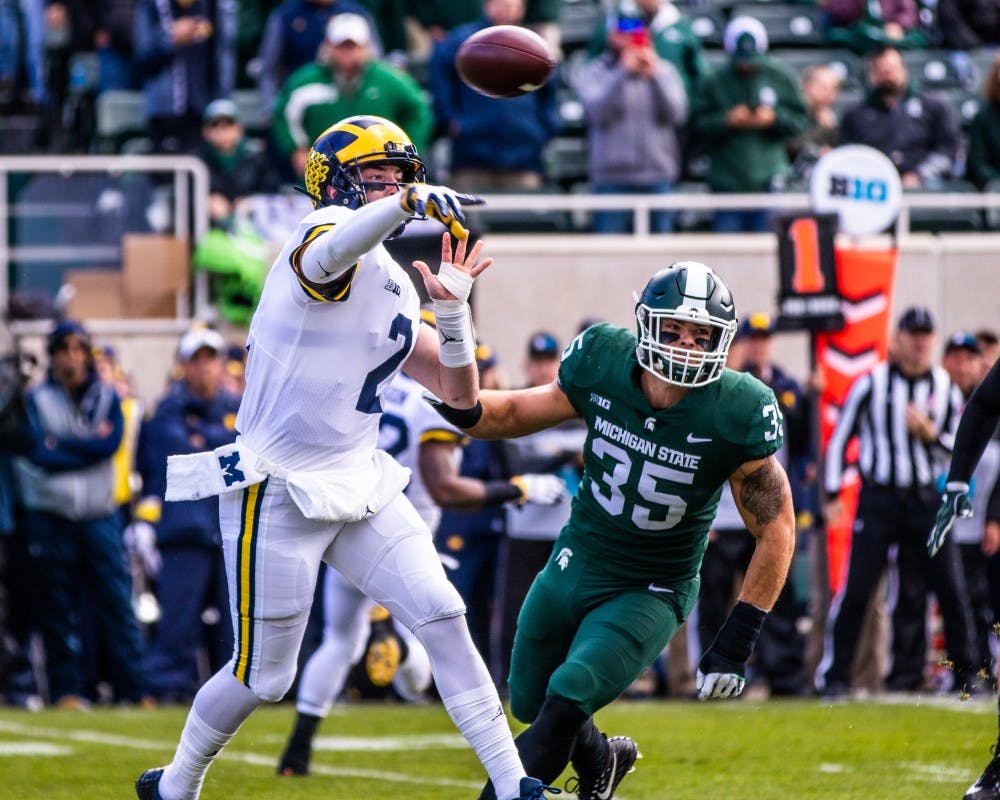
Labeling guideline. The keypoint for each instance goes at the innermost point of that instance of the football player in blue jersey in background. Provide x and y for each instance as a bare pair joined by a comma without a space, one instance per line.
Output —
667,426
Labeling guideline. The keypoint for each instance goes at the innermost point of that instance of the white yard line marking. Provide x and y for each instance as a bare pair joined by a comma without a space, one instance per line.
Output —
33,749
92,737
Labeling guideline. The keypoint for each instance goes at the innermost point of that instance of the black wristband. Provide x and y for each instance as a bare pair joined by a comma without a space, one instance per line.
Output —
737,636
498,492
459,417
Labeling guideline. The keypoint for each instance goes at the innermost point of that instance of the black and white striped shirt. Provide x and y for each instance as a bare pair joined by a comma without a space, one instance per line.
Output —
875,411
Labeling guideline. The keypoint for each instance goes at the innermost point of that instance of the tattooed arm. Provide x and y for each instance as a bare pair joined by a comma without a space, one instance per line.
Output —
764,499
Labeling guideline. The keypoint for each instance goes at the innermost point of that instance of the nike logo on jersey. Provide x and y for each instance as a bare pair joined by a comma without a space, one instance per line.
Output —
654,588
498,714
692,439
605,793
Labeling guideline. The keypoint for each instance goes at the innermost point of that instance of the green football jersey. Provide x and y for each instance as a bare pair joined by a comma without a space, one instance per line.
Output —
652,478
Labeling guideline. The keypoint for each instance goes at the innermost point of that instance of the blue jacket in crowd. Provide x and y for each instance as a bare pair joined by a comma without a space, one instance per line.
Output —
485,132
185,423
68,472
184,80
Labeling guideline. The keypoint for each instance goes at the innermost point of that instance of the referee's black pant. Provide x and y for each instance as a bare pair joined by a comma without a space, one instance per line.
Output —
904,517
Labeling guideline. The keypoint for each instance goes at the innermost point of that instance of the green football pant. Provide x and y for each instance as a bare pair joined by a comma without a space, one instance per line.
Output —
584,639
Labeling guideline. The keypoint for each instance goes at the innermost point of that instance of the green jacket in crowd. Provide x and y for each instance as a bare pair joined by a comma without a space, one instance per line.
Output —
747,160
982,163
311,101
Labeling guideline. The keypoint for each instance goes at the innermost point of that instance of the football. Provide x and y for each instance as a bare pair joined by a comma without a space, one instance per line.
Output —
504,61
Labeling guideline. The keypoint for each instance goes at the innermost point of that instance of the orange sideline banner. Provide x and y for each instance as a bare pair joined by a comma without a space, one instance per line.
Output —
865,281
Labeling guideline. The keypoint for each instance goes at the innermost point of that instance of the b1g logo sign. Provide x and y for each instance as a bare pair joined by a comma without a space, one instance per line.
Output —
877,191
861,185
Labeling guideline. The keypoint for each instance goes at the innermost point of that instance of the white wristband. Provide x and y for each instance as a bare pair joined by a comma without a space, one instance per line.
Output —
454,326
455,281
957,486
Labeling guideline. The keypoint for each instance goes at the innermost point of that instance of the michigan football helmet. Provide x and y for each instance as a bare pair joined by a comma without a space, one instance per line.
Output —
342,150
686,291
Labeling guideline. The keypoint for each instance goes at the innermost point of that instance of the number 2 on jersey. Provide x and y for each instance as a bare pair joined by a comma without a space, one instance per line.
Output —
368,402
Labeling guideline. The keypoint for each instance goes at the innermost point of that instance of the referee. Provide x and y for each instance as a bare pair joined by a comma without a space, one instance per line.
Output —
905,412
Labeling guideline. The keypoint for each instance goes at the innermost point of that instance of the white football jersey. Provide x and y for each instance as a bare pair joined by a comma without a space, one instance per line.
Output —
407,422
320,356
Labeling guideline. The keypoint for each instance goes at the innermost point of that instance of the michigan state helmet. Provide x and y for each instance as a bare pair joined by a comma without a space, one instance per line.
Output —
686,291
342,150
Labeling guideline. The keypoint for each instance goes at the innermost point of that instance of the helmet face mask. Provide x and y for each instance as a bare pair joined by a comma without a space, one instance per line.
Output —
343,150
686,292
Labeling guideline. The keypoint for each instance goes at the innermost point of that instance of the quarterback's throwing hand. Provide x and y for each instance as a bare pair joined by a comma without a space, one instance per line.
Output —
955,503
435,202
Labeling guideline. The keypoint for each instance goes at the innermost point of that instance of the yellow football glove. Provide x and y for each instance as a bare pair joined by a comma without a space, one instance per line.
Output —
435,202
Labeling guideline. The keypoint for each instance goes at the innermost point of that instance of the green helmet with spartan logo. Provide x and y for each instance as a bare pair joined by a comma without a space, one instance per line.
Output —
342,150
686,291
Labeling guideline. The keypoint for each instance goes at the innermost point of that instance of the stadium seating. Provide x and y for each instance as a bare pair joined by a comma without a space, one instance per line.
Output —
578,19
932,69
787,25
708,24
120,115
947,220
845,63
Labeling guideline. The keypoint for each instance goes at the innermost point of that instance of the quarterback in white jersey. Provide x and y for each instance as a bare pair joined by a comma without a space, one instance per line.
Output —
305,484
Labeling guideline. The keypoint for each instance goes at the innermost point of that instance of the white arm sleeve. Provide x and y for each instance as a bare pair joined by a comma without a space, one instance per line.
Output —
337,250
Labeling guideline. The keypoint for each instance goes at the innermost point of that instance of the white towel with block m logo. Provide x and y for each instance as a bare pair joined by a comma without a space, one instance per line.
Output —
335,495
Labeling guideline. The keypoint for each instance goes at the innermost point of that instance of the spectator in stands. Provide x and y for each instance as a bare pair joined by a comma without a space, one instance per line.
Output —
862,25
968,24
73,531
182,541
389,17
820,87
292,37
22,51
185,51
635,103
669,31
746,111
918,132
113,43
495,144
345,80
542,16
435,19
982,162
238,165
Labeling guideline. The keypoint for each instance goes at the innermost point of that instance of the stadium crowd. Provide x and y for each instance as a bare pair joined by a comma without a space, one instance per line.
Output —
661,102
738,96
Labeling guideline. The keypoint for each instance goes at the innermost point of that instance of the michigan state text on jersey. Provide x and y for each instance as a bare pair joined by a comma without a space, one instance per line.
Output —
652,477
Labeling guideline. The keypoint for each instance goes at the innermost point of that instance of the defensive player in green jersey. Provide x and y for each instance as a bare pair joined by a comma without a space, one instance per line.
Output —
668,424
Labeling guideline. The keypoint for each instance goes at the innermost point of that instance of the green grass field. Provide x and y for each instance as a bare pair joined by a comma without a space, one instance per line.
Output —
742,750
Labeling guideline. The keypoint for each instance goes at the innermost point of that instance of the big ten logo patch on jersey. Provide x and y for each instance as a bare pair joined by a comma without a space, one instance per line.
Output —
602,402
